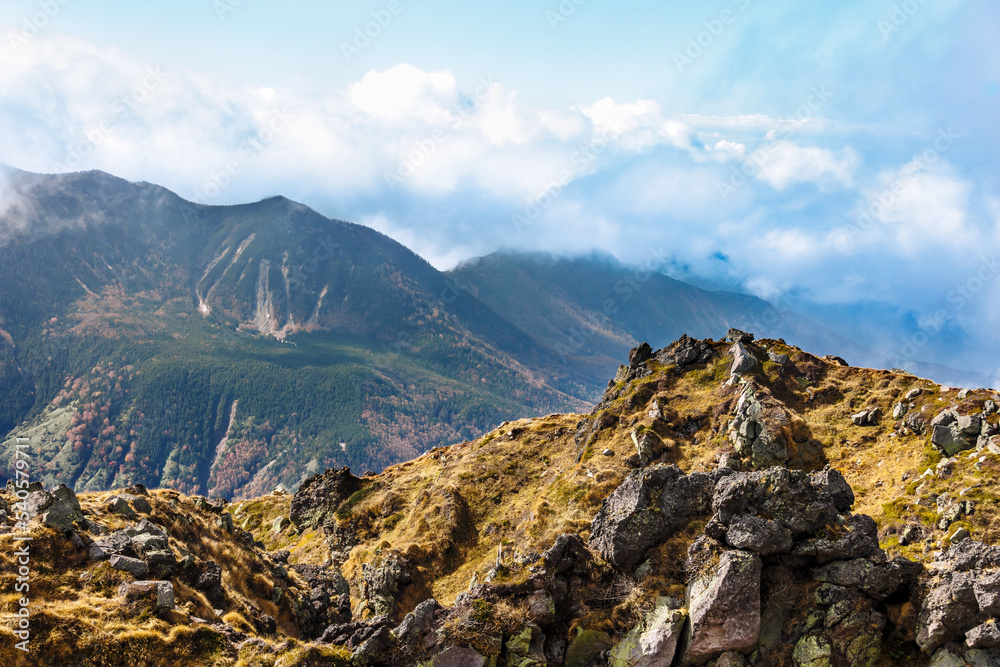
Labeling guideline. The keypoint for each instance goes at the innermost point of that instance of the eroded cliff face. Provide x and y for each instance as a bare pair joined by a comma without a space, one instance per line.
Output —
737,502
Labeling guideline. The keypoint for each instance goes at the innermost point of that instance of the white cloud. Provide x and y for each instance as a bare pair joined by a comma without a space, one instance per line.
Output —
783,163
921,207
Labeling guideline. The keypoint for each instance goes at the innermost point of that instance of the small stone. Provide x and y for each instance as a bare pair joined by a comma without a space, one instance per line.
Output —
959,535
279,524
163,591
133,566
608,452
913,393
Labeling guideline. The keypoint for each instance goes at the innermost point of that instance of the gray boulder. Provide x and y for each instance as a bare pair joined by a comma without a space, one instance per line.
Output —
382,585
648,507
753,436
118,505
743,360
417,623
59,509
783,501
652,643
724,608
134,566
686,351
986,635
950,439
160,593
962,593
867,417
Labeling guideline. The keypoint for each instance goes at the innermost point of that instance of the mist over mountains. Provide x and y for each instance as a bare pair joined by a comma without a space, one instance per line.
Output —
224,350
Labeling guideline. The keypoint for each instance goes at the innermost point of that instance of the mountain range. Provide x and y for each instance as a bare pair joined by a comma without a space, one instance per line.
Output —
225,350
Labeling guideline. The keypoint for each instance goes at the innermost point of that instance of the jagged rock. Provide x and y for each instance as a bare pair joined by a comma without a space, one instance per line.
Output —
946,658
652,643
640,355
910,534
138,500
989,407
743,360
328,602
382,584
120,506
319,497
160,593
833,483
458,657
59,509
737,336
986,635
916,422
225,522
945,418
646,509
868,417
417,623
648,446
374,649
567,554
161,563
950,439
761,536
118,542
133,566
541,608
724,607
876,580
685,352
812,651
913,393
209,582
38,501
860,540
147,542
785,501
780,359
527,648
753,436
970,424
963,593
899,411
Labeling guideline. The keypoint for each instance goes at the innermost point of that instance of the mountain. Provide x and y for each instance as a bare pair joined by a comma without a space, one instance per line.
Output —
592,310
225,350
734,502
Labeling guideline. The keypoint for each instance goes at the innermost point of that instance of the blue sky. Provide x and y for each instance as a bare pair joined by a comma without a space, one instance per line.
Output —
839,157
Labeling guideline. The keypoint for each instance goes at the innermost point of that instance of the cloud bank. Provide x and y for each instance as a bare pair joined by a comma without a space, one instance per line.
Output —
805,206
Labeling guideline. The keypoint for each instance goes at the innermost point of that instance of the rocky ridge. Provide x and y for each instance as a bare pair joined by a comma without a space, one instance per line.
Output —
707,511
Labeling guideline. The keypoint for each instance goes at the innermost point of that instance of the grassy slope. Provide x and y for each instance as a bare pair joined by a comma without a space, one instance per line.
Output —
528,481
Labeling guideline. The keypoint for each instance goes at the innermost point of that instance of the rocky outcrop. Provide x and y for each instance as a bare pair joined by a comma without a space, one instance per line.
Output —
318,498
724,605
382,584
328,602
654,642
646,510
963,592
755,431
686,351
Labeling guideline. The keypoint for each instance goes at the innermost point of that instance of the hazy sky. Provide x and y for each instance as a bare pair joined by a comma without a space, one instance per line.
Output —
836,153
